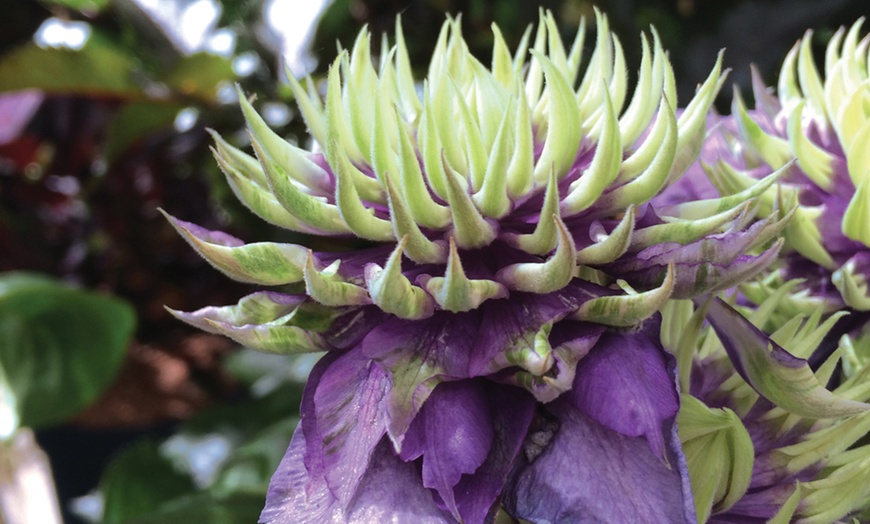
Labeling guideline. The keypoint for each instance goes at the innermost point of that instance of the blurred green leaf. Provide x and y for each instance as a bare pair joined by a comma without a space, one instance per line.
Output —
95,69
81,5
198,75
251,465
135,121
139,481
237,509
59,347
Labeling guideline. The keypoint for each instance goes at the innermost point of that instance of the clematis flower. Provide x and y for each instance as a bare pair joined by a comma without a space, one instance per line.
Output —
495,343
825,125
769,445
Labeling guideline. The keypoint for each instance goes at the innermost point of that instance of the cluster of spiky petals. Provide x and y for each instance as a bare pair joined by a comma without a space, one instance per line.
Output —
823,127
765,447
498,341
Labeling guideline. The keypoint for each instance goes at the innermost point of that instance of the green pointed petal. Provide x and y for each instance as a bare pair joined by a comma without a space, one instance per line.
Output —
264,263
418,248
651,146
563,131
474,151
543,239
785,380
456,292
627,310
611,247
393,292
411,105
470,229
289,158
430,147
311,210
853,286
246,165
544,277
326,287
521,169
693,122
772,149
685,231
602,170
259,200
654,177
640,110
502,62
492,199
424,210
741,187
310,107
858,157
813,160
810,81
360,88
787,86
785,515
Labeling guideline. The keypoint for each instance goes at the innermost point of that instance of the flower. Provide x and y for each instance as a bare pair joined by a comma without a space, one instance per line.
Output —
825,125
771,445
496,343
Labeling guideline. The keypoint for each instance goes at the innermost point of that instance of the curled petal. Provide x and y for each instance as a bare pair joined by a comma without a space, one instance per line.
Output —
544,277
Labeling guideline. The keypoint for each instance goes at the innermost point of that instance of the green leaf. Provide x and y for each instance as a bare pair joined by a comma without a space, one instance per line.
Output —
59,347
240,508
139,481
198,75
136,120
81,5
251,465
95,69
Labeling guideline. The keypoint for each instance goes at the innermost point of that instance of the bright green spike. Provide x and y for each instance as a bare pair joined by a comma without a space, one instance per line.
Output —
410,103
787,87
851,118
492,199
309,106
662,66
470,229
563,131
575,56
601,171
555,48
642,106
803,236
535,74
858,158
424,210
264,263
430,147
326,288
654,177
856,220
393,292
619,83
260,200
785,514
522,51
810,82
814,161
832,51
456,292
611,247
651,146
281,340
627,310
693,122
719,454
544,277
360,88
772,149
473,150
853,286
311,210
502,64
418,248
686,231
358,218
244,164
741,187
292,160
544,238
522,165
385,134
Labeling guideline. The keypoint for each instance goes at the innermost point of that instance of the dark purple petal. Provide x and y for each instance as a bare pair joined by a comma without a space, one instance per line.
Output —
627,384
453,433
476,494
390,491
344,419
419,355
588,473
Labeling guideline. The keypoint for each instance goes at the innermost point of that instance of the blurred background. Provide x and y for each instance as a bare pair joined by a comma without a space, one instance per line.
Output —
104,106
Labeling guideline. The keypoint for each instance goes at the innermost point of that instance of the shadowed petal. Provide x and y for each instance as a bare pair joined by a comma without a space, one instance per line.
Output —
589,474
626,383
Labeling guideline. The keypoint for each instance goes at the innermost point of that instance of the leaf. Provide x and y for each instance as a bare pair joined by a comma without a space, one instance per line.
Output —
59,347
239,508
91,6
139,481
95,69
199,74
136,120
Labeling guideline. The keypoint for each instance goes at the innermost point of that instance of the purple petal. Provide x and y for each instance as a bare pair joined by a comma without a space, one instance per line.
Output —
626,383
16,110
343,419
419,355
476,494
588,473
453,432
390,491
